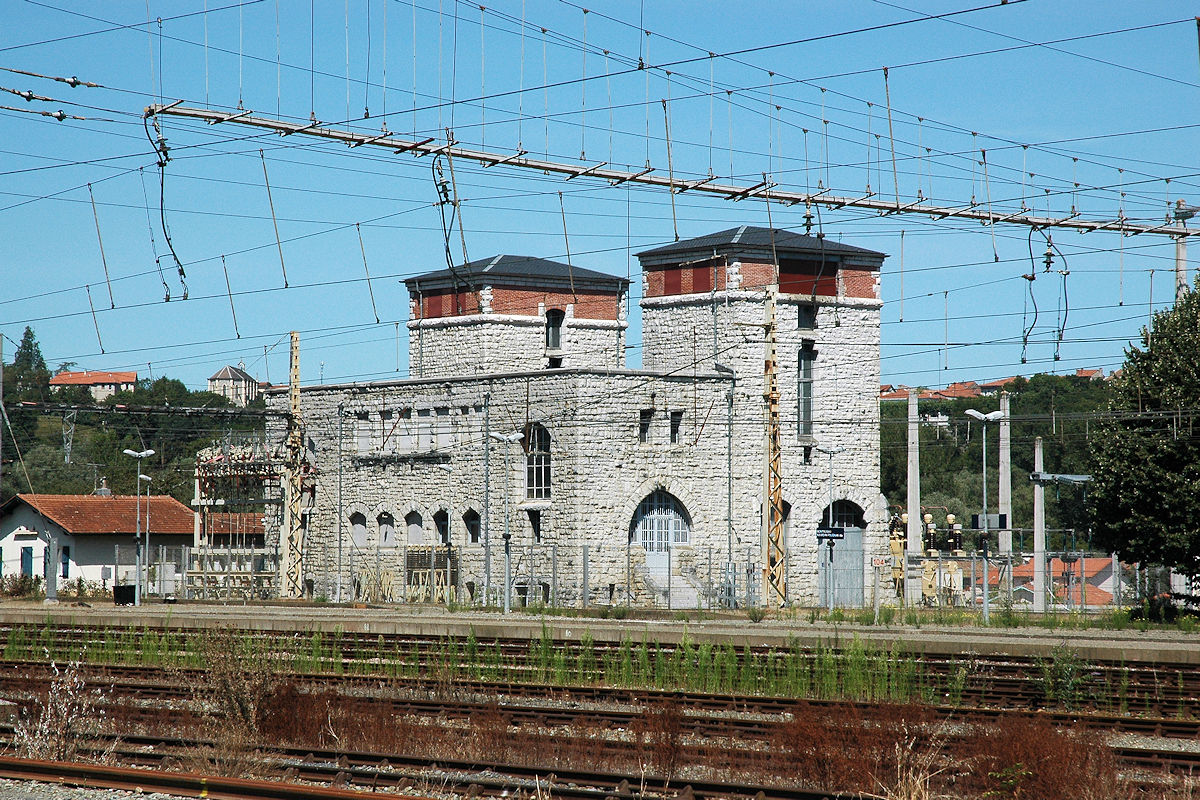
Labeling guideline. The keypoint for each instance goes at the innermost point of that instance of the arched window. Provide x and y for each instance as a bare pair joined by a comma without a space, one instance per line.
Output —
661,521
387,530
471,522
441,521
537,462
846,514
358,529
415,527
554,323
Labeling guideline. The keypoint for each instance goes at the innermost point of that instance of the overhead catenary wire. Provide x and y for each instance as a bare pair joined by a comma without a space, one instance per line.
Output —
229,291
100,240
274,220
370,290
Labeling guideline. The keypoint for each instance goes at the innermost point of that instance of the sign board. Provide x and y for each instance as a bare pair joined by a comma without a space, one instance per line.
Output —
879,561
996,522
824,534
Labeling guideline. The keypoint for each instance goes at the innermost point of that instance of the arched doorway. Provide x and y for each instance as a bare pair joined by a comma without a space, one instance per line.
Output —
844,575
660,522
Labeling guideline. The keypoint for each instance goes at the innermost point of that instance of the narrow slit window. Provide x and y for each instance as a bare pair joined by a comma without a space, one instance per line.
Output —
554,325
676,427
644,419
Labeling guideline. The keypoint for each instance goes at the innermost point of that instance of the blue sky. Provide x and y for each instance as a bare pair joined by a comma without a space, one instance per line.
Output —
1084,108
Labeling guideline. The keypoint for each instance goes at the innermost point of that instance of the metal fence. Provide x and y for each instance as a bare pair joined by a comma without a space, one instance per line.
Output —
202,573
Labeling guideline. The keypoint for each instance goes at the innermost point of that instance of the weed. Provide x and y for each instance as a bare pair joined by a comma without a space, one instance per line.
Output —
65,722
756,614
1062,676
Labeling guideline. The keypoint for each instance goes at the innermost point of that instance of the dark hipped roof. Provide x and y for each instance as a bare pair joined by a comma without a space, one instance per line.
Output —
750,240
230,373
89,513
516,270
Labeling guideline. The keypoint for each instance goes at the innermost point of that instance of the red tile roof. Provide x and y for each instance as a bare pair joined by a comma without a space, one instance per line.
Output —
997,384
1089,373
88,378
235,522
952,392
1056,568
88,513
1095,596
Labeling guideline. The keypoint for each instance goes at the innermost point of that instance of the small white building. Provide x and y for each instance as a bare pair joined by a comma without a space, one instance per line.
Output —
87,530
234,384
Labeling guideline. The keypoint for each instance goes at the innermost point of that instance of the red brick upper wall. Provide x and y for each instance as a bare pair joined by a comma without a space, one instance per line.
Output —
693,279
590,304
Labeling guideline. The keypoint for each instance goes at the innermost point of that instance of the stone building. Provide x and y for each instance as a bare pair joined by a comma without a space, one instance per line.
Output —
521,418
234,384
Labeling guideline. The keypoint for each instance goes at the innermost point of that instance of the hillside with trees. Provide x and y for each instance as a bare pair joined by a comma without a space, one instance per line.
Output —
154,418
1061,409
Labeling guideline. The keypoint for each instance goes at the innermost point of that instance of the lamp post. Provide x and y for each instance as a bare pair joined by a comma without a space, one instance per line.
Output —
993,416
729,582
831,453
137,583
507,439
146,531
449,470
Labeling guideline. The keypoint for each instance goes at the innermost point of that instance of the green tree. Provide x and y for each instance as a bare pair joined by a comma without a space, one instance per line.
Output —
25,379
1143,502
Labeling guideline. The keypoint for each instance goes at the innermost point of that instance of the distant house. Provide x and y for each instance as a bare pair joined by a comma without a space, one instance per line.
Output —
1094,374
889,392
995,387
102,385
953,391
88,530
234,384
1087,580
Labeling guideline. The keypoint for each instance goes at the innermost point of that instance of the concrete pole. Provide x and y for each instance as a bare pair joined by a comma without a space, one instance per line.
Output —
341,414
487,497
1039,532
912,583
3,416
1181,281
1005,504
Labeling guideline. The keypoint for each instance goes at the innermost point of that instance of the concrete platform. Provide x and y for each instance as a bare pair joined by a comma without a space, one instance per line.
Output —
1132,646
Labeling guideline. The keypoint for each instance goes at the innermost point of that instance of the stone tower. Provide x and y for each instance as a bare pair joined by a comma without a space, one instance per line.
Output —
513,314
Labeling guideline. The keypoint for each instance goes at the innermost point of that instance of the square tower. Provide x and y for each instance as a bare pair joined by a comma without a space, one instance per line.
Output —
515,313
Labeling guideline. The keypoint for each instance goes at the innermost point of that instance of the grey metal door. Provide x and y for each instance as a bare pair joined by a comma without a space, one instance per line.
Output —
846,571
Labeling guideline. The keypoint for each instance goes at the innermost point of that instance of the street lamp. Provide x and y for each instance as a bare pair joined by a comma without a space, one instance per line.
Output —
992,416
507,439
729,580
137,583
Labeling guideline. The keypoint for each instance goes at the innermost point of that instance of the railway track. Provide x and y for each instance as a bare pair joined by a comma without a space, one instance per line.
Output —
967,679
706,714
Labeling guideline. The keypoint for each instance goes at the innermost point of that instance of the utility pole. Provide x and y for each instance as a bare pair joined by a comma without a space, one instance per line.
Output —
912,585
1005,502
292,529
1039,532
487,497
1181,281
774,553
341,415
3,415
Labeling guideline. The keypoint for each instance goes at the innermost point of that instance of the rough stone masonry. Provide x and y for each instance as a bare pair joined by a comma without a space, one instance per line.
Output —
522,417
